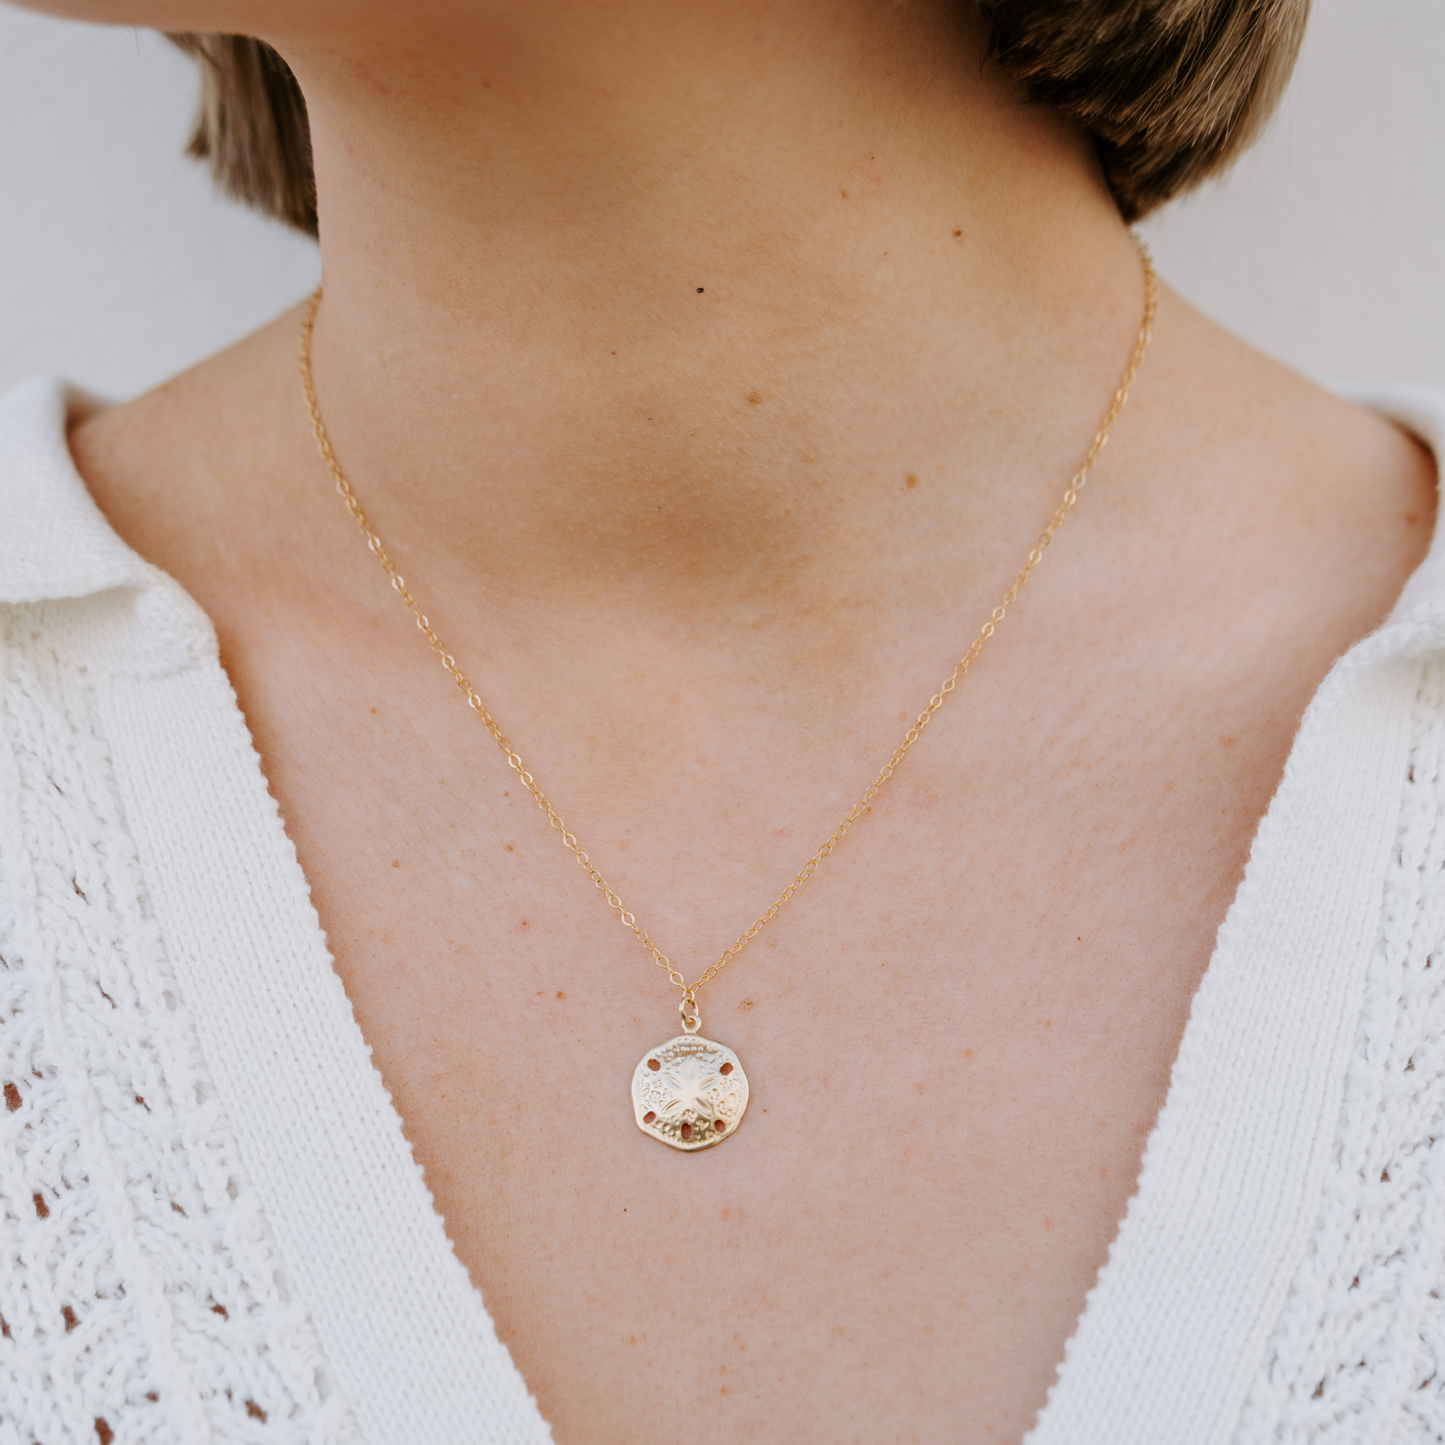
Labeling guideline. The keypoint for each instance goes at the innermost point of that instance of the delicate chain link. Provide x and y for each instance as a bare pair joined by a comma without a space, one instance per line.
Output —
1071,495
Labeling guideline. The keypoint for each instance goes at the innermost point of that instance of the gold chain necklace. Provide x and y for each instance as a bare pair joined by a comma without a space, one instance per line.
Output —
691,1092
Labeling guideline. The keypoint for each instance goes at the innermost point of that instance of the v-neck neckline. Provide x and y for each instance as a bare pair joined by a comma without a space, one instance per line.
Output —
1229,1189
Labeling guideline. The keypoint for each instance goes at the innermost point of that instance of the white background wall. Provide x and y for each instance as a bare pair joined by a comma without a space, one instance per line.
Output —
118,267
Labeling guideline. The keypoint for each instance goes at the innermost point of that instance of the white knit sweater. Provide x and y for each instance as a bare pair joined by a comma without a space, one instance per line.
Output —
212,1228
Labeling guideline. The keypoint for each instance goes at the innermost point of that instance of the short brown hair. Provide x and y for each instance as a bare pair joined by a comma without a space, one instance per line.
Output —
1169,90
252,126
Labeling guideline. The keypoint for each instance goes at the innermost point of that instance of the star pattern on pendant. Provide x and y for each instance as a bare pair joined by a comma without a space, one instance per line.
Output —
689,1093
691,1080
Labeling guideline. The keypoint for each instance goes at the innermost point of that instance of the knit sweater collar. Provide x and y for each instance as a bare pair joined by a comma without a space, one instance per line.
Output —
56,542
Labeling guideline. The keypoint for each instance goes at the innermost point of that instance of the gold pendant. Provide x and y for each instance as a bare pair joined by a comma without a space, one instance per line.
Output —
689,1092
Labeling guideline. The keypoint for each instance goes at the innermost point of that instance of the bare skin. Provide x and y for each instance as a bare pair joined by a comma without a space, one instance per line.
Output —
709,374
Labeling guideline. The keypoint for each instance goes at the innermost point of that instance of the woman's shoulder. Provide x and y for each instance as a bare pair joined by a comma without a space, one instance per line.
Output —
1308,449
1277,522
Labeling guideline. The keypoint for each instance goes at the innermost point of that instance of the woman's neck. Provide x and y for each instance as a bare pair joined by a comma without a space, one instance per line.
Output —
679,297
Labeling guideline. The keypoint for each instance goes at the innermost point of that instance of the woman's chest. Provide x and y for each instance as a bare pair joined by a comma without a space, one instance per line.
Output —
896,1240
957,1038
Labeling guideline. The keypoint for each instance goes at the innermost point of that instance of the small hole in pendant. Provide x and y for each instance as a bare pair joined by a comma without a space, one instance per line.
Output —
725,1070
686,1132
719,1125
653,1065
649,1117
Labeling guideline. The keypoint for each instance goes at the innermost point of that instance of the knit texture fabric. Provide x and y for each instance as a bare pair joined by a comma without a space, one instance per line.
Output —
211,1226
141,1294
1358,1354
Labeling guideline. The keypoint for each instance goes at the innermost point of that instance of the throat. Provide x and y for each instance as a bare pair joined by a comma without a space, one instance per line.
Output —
696,347
810,460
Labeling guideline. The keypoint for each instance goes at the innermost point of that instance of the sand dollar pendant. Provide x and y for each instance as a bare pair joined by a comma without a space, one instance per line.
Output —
690,1092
